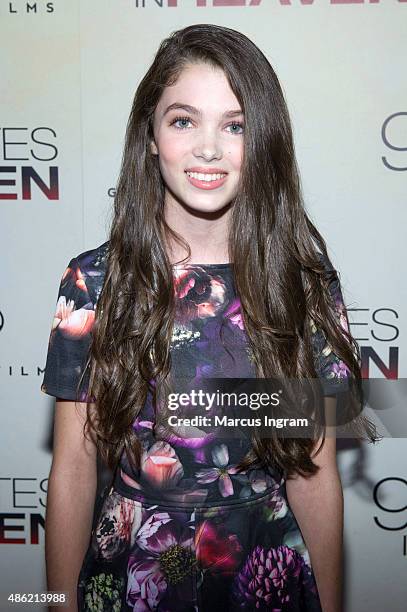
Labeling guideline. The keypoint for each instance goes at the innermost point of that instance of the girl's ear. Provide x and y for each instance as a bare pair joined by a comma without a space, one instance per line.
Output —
153,148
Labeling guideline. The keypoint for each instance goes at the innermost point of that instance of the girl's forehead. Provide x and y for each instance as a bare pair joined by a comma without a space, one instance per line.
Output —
199,72
198,87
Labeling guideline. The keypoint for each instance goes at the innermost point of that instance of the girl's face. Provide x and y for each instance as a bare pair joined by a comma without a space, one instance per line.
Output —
198,131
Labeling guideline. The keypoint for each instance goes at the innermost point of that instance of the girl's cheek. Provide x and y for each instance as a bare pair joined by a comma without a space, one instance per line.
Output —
172,149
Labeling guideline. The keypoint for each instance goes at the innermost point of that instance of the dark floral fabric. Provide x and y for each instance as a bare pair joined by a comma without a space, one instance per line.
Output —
188,531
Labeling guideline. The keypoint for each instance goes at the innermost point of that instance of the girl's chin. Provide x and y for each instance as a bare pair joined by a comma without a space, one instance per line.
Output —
207,207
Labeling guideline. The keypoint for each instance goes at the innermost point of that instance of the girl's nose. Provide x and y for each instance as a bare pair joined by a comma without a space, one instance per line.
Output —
208,146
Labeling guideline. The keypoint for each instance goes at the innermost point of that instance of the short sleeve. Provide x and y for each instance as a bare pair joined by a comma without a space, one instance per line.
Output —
70,337
333,373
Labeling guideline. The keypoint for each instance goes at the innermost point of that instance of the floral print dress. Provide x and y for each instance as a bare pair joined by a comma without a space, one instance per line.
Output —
188,532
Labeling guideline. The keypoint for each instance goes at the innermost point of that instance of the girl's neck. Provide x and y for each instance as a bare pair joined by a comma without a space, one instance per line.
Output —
206,234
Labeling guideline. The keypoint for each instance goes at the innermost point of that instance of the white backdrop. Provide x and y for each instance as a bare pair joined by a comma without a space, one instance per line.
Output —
69,70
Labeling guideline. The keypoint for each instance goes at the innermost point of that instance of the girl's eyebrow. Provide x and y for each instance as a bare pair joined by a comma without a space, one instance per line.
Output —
195,111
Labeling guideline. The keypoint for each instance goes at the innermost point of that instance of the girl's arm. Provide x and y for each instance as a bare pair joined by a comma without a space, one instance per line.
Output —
70,500
317,504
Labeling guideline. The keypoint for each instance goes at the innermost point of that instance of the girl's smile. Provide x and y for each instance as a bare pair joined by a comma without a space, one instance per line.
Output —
206,180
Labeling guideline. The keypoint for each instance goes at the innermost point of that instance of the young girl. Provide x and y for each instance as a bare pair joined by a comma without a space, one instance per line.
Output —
212,270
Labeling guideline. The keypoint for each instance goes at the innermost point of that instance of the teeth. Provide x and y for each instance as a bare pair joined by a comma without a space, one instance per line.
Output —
205,177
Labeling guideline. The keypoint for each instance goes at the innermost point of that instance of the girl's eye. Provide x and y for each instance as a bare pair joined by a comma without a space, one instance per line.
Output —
184,120
236,125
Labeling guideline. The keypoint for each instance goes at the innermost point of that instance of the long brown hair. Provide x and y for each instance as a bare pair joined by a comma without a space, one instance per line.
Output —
280,279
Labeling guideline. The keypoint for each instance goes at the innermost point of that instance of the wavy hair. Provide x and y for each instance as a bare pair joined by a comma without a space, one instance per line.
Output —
279,276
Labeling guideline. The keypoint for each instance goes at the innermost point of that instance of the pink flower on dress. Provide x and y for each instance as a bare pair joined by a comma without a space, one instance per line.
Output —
234,313
145,587
161,470
77,277
221,472
71,323
161,467
117,525
217,550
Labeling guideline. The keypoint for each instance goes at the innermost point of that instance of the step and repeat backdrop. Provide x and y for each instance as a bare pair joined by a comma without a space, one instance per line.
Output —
69,69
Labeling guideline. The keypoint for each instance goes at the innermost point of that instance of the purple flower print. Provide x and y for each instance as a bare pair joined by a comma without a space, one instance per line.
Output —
334,367
275,507
339,369
162,561
221,473
270,580
145,587
234,313
256,481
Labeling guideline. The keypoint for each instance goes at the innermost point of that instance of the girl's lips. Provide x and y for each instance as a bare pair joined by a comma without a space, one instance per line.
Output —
206,184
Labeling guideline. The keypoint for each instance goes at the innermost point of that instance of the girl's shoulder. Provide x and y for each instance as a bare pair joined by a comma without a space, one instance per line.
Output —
326,262
96,257
90,267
